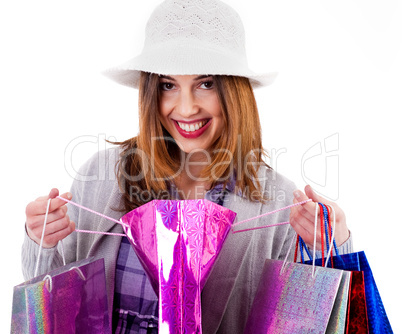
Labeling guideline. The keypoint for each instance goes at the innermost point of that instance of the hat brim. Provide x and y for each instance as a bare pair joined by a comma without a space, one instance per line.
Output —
180,60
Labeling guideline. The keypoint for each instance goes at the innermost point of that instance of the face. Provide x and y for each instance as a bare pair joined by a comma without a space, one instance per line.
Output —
190,111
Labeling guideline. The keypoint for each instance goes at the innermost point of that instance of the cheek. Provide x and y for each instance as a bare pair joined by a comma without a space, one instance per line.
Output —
217,114
163,113
163,108
220,126
214,107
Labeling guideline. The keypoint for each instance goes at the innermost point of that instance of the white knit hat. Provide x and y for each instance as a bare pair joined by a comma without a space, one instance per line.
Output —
193,37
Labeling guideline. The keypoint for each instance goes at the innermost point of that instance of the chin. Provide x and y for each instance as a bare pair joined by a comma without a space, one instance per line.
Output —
191,148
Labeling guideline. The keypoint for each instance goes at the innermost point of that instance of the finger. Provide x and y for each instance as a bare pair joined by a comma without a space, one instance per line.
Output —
307,209
311,194
52,227
57,225
340,216
303,228
303,223
57,202
37,221
300,227
53,193
51,240
306,222
39,206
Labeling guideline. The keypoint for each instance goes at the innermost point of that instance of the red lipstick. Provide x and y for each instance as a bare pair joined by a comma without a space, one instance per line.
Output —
192,134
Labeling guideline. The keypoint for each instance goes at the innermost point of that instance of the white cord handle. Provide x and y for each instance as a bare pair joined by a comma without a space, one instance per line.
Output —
291,244
315,238
287,255
41,240
48,278
79,271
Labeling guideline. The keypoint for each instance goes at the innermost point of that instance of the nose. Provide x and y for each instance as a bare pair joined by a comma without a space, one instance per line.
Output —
187,104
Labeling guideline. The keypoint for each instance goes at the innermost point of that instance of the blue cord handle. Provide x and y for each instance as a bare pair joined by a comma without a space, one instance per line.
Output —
302,245
326,220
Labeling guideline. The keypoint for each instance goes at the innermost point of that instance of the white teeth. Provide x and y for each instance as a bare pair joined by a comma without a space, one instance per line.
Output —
192,127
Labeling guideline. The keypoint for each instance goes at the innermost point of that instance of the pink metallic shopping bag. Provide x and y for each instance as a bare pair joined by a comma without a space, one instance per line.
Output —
177,243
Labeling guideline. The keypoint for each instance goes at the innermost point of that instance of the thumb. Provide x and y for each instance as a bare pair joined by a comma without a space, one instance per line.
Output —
313,195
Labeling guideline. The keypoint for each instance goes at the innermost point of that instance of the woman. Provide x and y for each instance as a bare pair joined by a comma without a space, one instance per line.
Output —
199,137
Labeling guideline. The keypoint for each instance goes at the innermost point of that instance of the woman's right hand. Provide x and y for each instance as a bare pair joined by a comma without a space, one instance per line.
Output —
58,223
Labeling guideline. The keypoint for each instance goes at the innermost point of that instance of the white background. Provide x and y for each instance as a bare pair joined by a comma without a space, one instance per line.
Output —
339,65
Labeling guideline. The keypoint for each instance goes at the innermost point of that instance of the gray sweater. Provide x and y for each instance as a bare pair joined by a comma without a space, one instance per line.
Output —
229,292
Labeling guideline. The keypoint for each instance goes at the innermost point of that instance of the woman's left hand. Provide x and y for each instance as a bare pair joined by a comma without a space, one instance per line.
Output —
302,218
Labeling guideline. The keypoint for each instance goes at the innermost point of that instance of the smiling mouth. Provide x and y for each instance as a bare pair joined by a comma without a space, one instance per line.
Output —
193,126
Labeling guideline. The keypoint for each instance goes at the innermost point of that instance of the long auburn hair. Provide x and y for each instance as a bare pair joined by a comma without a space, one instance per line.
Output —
152,159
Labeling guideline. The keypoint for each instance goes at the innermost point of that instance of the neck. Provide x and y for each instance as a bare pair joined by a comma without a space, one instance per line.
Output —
194,164
189,183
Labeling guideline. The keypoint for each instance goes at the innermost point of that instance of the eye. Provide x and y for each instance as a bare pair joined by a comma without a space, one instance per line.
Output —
166,85
207,84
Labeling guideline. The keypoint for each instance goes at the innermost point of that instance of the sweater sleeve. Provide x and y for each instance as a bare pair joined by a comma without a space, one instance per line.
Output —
49,258
345,248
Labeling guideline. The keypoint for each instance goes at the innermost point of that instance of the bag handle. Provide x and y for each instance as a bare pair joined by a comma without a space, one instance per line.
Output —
313,273
41,240
329,236
300,244
329,232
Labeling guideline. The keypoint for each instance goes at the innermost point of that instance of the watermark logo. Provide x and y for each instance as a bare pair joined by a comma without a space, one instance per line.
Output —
71,157
319,163
320,167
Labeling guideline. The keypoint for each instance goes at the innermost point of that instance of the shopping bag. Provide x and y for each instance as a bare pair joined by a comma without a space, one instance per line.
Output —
70,299
357,319
357,322
292,298
177,243
338,317
377,318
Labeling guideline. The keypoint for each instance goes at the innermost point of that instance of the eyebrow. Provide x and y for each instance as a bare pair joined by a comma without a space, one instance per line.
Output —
197,78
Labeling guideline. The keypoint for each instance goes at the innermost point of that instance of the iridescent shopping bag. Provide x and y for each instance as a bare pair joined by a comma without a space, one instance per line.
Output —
177,243
339,315
293,298
70,299
338,319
